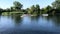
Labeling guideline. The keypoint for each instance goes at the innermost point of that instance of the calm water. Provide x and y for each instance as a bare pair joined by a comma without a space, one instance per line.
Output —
29,25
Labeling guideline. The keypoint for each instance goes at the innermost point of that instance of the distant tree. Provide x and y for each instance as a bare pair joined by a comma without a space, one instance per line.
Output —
32,9
25,11
11,8
17,5
1,10
38,9
42,10
56,4
48,8
8,10
28,10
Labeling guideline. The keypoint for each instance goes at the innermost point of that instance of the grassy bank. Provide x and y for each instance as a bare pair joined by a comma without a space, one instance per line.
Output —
12,13
16,13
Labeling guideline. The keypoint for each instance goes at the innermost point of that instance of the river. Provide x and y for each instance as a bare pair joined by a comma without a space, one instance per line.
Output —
30,24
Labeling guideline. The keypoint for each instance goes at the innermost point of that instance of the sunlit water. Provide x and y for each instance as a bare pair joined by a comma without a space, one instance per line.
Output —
29,25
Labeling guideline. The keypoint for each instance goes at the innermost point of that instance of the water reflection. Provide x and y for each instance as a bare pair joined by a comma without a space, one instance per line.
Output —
16,24
6,23
34,19
17,19
54,19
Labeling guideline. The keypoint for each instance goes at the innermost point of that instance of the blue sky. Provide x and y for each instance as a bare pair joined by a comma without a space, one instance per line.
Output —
26,3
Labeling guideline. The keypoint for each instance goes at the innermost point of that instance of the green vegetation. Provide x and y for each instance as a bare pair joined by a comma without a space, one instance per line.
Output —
33,10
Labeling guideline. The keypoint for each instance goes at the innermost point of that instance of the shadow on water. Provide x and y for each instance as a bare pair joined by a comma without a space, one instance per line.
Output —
57,20
35,19
54,19
17,19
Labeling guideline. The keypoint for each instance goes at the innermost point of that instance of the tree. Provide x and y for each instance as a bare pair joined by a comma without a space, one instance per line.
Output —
8,10
38,9
42,10
11,8
32,9
17,5
56,4
48,8
28,10
1,10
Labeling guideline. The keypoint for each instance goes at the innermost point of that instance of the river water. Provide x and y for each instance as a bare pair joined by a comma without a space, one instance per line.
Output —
30,25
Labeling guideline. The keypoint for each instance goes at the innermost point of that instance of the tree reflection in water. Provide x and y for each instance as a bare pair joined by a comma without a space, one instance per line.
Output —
35,19
54,19
17,19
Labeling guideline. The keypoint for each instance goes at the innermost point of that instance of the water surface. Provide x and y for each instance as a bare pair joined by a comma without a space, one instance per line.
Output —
30,25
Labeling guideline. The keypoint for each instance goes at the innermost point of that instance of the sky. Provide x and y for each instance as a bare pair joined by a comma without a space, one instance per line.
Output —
26,3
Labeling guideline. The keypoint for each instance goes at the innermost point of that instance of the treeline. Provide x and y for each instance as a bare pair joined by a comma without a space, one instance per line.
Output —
34,9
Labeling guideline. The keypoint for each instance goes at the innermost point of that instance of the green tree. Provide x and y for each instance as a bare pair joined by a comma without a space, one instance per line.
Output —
56,4
48,8
28,10
37,9
17,5
32,9
8,10
42,11
11,8
1,10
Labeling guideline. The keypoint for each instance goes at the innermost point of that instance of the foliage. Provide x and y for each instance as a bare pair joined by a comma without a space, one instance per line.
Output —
56,4
17,5
1,10
38,9
34,9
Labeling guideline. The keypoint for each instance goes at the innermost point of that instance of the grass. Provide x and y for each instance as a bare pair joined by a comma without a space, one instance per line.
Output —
12,13
16,13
